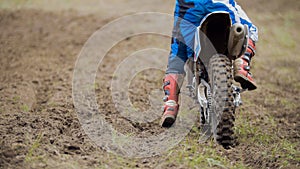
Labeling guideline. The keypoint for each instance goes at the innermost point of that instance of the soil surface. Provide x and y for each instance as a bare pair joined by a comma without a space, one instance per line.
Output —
38,121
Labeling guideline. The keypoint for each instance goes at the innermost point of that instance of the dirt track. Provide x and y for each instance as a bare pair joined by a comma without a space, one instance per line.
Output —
38,123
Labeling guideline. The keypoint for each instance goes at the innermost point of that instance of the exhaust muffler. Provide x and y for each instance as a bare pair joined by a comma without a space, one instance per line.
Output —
238,40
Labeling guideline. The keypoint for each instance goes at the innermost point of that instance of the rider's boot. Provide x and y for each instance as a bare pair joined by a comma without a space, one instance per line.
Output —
242,68
171,86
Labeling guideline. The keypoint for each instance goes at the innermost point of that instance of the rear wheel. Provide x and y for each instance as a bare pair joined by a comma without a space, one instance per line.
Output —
222,107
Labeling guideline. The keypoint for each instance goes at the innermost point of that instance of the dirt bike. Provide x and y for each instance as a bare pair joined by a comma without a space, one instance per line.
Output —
218,43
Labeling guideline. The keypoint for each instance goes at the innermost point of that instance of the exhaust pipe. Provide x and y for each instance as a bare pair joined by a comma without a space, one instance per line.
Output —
238,40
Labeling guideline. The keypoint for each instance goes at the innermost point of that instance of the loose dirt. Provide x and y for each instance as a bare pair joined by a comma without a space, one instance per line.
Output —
39,127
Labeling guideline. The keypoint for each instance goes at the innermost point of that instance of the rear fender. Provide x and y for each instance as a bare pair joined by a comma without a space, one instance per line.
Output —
203,29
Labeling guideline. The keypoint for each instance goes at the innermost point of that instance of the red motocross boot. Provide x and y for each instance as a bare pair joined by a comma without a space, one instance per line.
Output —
242,68
171,87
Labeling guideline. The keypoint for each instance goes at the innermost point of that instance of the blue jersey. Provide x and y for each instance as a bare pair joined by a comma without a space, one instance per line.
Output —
187,17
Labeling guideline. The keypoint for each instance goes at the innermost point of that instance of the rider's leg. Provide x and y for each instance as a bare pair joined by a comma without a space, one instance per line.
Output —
242,68
171,86
172,82
186,19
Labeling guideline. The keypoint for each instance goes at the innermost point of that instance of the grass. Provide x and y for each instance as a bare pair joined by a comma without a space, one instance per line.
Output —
191,154
16,99
25,108
263,134
263,131
30,156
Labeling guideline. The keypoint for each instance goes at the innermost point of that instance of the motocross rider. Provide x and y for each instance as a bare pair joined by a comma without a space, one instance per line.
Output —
192,12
